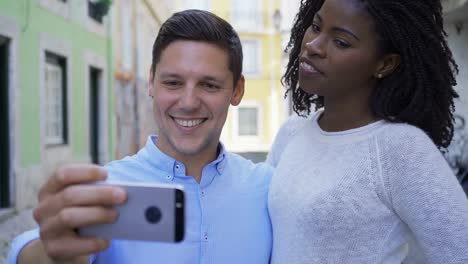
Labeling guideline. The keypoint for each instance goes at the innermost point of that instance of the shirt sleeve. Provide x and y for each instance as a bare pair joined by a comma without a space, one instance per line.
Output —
19,243
23,240
426,195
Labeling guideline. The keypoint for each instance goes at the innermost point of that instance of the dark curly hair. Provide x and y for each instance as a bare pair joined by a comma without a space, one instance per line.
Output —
420,91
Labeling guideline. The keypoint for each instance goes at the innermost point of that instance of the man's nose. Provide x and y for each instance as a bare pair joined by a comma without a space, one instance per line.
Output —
190,98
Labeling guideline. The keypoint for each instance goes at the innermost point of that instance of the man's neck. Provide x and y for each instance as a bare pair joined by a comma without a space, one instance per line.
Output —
194,163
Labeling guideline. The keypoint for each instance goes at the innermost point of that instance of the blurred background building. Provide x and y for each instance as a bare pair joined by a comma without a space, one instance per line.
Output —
135,25
250,127
56,91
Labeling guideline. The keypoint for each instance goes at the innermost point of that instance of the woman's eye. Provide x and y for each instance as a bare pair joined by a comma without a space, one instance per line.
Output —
342,44
315,27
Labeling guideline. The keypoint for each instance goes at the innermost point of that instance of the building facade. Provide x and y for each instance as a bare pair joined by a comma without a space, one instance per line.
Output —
134,29
56,98
251,127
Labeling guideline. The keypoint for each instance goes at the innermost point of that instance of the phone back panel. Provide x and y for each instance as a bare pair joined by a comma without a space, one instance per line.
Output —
133,223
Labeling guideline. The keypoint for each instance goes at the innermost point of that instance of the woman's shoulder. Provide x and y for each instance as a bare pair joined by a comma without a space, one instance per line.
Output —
294,124
404,141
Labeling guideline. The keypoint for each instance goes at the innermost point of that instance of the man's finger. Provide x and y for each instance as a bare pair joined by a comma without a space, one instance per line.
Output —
69,219
71,174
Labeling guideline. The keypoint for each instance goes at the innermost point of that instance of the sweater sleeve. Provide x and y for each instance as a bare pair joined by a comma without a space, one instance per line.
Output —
425,194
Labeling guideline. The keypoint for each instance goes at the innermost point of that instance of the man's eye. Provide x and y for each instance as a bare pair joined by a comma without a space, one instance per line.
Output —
210,86
171,83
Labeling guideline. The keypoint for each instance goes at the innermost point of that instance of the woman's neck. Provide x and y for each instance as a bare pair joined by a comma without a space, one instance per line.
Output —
344,116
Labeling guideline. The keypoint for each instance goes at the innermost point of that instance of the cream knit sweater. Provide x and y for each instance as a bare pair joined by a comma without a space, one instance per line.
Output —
357,196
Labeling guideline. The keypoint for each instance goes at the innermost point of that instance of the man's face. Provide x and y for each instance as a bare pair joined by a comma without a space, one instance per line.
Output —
192,89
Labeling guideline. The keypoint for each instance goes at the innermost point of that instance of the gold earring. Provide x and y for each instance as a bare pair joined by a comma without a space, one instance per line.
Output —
379,76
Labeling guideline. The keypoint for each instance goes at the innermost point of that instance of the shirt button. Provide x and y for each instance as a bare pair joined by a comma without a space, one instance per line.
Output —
177,166
203,193
168,177
205,236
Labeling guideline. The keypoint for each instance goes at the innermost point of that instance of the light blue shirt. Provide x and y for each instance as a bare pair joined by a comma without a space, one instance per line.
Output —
226,213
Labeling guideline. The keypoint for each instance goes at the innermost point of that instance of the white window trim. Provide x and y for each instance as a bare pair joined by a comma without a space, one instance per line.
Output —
92,25
11,30
97,61
248,143
54,138
259,28
58,8
209,5
62,48
259,57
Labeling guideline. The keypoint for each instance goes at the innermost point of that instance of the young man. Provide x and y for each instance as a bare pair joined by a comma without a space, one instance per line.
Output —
195,76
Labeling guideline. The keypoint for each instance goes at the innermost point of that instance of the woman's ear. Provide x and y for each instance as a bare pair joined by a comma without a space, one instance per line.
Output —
238,91
387,65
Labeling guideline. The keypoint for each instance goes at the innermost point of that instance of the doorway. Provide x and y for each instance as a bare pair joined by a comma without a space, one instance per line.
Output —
4,123
95,113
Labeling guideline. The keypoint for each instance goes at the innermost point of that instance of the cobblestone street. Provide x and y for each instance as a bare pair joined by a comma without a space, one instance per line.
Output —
12,224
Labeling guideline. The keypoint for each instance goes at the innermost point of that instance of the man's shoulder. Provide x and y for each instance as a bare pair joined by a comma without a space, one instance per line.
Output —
244,163
243,169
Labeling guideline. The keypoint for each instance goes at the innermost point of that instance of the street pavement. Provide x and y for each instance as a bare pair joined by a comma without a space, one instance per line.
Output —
12,224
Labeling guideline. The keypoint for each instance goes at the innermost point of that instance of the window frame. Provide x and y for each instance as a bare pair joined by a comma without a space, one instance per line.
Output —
258,57
258,24
53,60
248,139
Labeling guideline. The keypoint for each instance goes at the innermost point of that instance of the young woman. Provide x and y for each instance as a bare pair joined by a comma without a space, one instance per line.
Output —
362,175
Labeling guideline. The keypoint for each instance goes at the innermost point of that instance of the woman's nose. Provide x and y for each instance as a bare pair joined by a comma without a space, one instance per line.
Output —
316,46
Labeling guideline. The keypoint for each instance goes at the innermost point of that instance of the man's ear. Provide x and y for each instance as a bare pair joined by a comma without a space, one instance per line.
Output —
238,91
151,82
387,65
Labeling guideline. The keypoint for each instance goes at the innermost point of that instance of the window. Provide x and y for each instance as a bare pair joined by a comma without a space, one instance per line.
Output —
55,99
251,62
246,15
197,4
97,10
248,121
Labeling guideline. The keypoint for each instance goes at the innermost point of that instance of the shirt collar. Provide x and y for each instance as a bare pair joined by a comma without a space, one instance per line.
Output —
154,156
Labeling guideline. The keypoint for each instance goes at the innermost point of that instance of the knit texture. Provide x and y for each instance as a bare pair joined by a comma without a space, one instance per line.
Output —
357,196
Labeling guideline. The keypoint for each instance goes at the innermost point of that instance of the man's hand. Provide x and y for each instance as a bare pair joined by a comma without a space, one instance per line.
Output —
67,203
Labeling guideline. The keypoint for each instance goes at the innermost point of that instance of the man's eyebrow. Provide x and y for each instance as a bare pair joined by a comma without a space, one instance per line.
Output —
169,75
339,29
204,78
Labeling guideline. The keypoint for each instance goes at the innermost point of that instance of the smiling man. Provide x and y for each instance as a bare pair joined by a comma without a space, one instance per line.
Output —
196,75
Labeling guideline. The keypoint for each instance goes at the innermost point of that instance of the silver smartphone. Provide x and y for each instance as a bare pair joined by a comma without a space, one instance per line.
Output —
152,212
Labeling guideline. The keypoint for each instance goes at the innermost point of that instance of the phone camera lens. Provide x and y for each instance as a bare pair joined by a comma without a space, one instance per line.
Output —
153,214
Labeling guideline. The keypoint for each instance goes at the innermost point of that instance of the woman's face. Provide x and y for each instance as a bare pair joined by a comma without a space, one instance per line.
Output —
338,58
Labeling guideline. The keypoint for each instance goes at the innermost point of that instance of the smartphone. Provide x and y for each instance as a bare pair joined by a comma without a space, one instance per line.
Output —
152,212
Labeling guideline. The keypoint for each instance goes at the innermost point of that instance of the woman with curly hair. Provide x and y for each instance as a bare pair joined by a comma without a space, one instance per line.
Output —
359,177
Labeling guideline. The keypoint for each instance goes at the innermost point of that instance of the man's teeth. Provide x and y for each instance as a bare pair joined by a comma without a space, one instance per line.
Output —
189,123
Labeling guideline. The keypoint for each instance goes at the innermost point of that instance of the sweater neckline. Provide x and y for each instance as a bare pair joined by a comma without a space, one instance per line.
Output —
349,134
